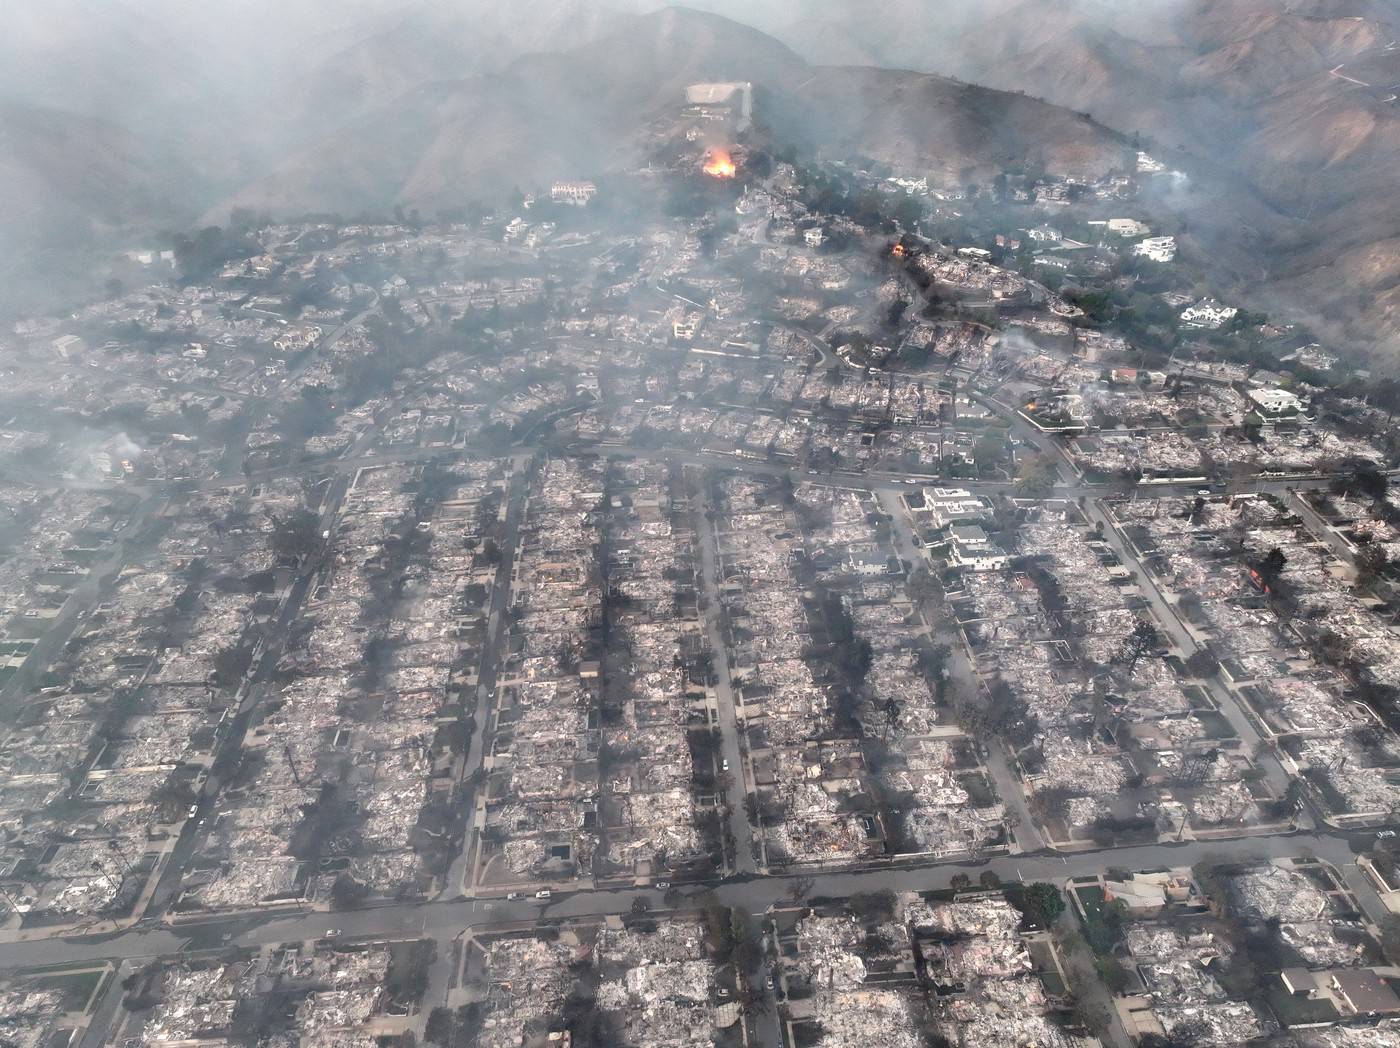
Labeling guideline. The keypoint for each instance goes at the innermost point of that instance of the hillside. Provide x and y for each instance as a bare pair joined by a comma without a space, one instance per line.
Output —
577,112
384,56
66,201
1279,108
71,208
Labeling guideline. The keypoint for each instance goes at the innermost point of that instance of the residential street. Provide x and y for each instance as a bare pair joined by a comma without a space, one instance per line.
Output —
734,754
963,680
444,919
452,911
456,883
1182,640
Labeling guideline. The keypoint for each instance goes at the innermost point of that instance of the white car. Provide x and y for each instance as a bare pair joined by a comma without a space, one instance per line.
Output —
1384,835
543,893
331,933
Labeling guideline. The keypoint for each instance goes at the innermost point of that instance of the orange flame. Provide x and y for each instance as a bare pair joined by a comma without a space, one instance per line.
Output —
719,164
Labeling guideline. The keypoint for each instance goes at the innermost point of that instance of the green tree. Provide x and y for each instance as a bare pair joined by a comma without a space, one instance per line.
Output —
439,1027
1371,563
989,450
409,970
1037,477
348,893
1390,937
295,535
172,798
1103,928
873,906
1202,663
1043,904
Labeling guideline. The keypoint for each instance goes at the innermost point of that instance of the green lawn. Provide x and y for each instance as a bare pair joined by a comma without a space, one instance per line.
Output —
1216,724
1091,897
76,988
1045,967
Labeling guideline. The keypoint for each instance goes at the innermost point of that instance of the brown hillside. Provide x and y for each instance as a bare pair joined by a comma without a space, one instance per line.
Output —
577,112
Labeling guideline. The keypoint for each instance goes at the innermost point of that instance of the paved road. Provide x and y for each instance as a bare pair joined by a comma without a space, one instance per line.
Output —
448,916
1339,546
865,480
734,754
1182,639
456,882
963,678
444,919
105,1015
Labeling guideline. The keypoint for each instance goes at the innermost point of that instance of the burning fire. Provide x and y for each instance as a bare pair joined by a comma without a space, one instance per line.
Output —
719,164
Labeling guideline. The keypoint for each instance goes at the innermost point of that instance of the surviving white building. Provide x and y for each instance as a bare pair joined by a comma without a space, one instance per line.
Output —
1209,314
970,547
1127,227
1274,403
577,193
1157,249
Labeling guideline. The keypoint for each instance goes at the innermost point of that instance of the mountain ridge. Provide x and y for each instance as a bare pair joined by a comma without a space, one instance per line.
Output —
502,130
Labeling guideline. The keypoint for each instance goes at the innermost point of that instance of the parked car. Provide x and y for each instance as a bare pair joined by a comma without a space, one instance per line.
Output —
543,893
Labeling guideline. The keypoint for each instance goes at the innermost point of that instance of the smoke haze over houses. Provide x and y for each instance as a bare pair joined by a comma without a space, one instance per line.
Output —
609,524
188,109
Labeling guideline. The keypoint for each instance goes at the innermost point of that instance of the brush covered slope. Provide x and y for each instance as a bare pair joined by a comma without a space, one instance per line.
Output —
577,113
